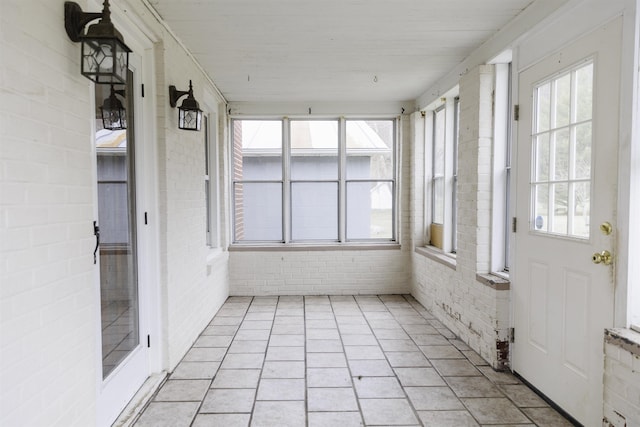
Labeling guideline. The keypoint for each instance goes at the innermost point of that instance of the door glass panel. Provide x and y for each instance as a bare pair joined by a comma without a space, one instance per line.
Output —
116,219
561,142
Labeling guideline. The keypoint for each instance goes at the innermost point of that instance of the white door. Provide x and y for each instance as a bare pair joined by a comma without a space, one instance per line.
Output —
124,359
566,186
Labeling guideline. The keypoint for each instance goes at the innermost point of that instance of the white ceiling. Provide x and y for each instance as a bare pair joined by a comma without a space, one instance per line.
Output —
332,50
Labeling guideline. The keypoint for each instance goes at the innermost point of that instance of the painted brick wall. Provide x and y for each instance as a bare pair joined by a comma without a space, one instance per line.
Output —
347,272
622,378
194,277
475,312
48,303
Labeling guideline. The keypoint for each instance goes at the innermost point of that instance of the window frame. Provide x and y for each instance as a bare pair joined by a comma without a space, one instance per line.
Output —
287,182
211,182
442,236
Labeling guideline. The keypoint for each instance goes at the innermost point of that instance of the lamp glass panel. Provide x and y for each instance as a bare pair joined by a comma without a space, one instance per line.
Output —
104,61
189,119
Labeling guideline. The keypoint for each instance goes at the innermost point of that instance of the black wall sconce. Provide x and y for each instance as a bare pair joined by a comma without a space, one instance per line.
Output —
114,116
189,113
105,56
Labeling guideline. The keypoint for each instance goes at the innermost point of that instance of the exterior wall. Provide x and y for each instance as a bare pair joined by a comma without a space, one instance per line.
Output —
49,300
347,271
622,378
48,304
476,311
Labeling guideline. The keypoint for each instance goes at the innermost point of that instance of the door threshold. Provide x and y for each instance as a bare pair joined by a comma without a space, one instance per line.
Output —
548,401
140,400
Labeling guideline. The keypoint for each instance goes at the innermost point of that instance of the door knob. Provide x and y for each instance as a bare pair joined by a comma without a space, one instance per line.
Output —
603,257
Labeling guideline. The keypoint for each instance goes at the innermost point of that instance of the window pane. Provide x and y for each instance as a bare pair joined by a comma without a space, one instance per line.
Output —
584,93
257,150
369,210
438,200
314,211
543,108
370,149
583,151
258,211
541,207
561,161
563,101
314,149
541,157
438,142
582,203
560,208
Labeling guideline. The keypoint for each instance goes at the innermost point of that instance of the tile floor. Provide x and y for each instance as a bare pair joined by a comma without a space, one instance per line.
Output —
337,361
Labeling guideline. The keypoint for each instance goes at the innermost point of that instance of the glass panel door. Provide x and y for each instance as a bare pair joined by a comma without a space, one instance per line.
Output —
117,226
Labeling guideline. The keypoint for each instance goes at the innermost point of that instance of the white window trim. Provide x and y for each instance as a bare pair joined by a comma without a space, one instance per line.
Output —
342,179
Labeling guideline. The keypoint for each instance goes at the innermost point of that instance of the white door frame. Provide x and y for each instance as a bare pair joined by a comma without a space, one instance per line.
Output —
140,40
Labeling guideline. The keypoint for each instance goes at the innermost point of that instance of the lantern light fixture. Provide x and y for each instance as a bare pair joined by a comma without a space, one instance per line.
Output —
189,113
105,56
114,115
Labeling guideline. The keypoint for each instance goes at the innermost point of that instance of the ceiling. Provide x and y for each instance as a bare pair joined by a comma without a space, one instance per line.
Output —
332,50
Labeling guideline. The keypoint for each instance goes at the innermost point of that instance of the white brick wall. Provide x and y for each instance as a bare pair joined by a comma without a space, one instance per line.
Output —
194,282
475,312
48,305
622,378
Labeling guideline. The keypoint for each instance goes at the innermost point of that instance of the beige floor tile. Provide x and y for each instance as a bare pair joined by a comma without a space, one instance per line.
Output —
328,377
168,414
285,353
370,368
182,391
219,400
429,339
286,340
331,399
217,420
454,367
258,316
324,346
258,346
546,417
326,360
288,329
281,389
419,377
228,330
363,352
407,359
441,352
252,335
360,339
236,378
390,334
447,419
195,370
378,388
243,361
494,410
281,414
523,396
283,369
387,412
334,419
398,345
256,324
433,398
213,341
205,354
323,334
473,387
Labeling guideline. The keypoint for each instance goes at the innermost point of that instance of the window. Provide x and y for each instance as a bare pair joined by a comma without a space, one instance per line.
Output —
443,141
211,187
318,180
561,178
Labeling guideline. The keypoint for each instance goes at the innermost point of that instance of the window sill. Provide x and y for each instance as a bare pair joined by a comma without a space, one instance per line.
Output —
292,247
438,256
494,281
626,339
